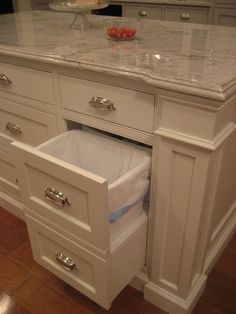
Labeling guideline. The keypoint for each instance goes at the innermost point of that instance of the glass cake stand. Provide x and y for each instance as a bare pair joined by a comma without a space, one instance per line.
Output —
80,20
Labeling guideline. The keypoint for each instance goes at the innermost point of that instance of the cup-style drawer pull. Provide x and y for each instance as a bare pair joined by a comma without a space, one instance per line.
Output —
142,13
65,261
57,197
184,16
4,80
13,128
103,104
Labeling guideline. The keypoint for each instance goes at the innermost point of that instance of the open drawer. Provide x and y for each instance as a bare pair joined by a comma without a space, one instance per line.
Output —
101,279
78,199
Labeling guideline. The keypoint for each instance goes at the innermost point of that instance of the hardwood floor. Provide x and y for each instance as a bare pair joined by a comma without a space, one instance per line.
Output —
27,288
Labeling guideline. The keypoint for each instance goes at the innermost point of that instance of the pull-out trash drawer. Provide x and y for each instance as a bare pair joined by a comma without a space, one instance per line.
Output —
90,185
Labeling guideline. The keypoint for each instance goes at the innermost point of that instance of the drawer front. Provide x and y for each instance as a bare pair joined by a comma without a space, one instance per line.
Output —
26,82
8,177
142,11
133,109
225,1
83,270
40,4
186,14
25,124
85,196
225,17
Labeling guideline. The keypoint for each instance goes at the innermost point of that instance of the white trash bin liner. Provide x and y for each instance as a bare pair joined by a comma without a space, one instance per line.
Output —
125,166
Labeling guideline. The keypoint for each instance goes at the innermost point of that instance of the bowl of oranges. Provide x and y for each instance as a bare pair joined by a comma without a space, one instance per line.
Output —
120,28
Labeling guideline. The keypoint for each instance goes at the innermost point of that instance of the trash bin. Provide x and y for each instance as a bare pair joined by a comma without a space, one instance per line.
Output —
125,166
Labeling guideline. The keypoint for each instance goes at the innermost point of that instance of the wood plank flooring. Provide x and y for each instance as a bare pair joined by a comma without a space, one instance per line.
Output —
27,288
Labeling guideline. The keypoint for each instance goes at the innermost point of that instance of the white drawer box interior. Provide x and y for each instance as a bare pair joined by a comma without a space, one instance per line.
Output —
99,179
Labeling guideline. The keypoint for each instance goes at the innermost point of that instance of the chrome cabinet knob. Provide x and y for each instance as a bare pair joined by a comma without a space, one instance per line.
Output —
142,13
13,128
4,80
65,261
56,197
184,16
103,104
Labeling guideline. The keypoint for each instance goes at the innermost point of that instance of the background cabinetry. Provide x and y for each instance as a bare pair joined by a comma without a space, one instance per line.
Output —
144,11
218,12
176,13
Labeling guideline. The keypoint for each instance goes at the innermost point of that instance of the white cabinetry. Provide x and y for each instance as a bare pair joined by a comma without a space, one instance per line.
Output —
225,16
25,5
189,218
20,96
40,4
143,11
176,13
76,242
168,12
186,14
218,12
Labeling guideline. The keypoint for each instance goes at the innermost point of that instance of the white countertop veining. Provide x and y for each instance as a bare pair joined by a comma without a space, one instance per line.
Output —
191,58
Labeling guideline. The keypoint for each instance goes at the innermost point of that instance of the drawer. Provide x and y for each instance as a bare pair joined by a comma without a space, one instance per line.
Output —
78,200
225,17
25,124
225,1
101,279
143,11
186,14
86,272
40,4
26,82
86,215
133,109
8,176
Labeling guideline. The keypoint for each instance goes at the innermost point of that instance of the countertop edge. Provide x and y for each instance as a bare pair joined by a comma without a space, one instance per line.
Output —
219,93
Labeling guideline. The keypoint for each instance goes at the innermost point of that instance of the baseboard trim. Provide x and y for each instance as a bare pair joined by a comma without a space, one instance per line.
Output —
140,280
11,205
171,303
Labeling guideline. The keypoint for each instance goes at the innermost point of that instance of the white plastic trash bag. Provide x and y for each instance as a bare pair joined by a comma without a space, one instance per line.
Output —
125,166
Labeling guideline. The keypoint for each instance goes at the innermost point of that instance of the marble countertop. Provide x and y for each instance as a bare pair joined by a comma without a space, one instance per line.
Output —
191,58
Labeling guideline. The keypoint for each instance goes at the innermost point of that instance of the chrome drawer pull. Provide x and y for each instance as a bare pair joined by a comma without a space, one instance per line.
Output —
65,261
103,104
4,80
57,197
184,16
142,13
13,128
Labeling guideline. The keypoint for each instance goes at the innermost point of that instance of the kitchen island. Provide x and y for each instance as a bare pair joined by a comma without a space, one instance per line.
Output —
174,90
